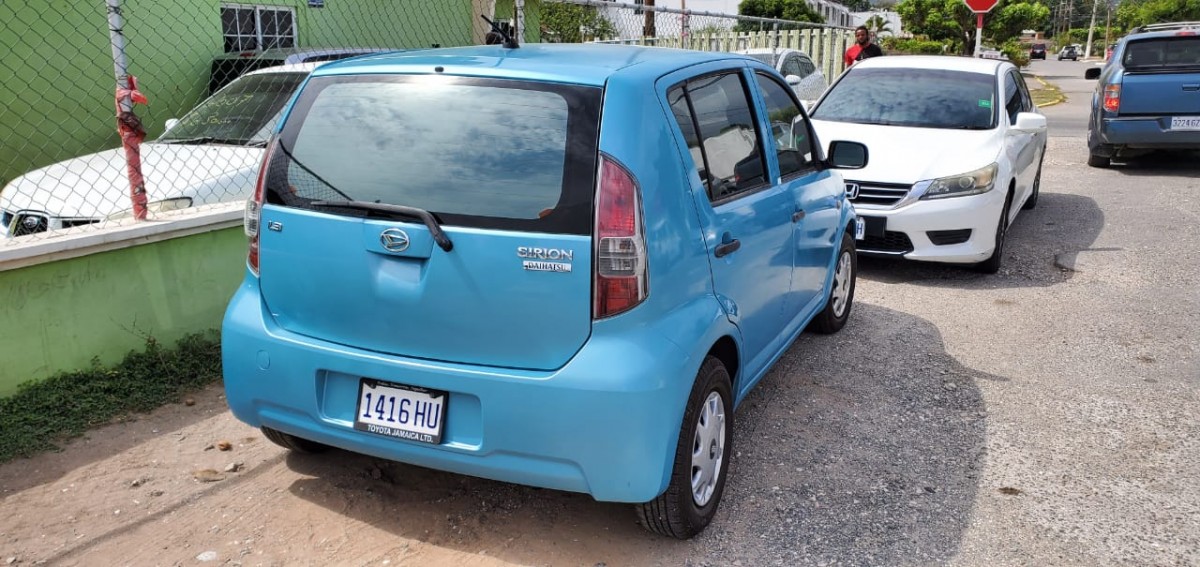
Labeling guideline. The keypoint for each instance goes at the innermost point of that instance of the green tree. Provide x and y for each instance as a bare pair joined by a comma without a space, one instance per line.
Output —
572,23
795,10
878,25
1132,13
951,20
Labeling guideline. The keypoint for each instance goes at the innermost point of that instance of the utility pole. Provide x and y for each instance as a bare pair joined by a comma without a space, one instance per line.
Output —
648,29
1087,51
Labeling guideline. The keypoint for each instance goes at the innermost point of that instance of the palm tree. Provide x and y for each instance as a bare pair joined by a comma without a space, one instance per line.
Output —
877,25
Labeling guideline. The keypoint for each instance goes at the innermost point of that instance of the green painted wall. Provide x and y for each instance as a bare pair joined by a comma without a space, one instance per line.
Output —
56,70
55,317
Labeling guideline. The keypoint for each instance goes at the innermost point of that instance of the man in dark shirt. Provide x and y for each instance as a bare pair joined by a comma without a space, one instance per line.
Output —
862,48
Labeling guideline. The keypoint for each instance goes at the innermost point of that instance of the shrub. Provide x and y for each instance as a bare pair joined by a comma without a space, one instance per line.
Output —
901,46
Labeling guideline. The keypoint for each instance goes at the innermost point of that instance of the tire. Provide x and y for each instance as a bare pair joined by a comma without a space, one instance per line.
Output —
1099,161
833,317
293,443
705,445
1031,202
992,264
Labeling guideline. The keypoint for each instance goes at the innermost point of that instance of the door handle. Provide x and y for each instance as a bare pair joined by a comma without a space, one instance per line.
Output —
798,216
726,248
1191,87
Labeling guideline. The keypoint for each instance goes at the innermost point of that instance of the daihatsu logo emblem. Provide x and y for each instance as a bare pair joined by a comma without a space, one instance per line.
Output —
394,240
852,191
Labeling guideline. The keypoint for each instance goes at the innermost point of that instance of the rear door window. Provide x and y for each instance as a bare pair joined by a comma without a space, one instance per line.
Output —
718,112
1181,52
514,155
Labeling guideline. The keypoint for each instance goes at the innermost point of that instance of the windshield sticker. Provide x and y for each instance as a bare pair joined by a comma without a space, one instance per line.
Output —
985,103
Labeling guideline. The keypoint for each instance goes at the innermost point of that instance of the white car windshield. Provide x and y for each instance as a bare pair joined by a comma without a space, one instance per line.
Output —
243,113
921,98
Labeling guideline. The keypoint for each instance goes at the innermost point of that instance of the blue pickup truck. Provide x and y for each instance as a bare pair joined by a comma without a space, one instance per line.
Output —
1148,96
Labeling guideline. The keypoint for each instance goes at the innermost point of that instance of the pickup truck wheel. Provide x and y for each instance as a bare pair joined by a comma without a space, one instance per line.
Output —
701,459
1099,161
992,264
833,317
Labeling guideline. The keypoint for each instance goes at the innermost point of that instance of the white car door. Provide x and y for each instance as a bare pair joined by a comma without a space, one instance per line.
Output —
1023,149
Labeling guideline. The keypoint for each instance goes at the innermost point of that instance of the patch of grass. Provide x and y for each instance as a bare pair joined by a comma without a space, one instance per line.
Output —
1044,93
44,413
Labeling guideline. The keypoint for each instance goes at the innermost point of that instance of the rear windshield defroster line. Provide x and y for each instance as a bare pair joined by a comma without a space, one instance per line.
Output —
485,153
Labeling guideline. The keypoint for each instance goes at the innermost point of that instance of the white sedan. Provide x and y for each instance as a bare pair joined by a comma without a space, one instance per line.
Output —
210,155
797,69
956,152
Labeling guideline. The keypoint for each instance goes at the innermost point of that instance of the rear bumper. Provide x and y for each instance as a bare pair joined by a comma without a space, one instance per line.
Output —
1152,133
605,424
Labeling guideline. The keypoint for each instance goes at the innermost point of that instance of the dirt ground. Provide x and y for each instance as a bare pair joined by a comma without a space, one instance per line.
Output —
162,491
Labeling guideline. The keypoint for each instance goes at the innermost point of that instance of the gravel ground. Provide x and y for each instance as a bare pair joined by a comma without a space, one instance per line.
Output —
1046,415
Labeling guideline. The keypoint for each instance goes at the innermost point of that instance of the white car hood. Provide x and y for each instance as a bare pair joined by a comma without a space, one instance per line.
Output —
97,185
901,154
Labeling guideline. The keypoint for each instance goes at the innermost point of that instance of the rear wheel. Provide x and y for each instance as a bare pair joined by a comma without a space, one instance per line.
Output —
291,442
701,459
992,264
841,296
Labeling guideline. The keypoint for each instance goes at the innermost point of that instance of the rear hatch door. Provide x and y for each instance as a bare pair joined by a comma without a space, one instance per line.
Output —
505,170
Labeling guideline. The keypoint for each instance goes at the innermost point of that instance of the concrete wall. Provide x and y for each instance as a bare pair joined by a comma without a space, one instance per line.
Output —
92,293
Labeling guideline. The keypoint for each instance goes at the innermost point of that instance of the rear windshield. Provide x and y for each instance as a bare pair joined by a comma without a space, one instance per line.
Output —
922,98
1168,53
515,155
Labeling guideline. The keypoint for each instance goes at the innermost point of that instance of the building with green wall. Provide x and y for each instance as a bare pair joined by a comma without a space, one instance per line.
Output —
57,93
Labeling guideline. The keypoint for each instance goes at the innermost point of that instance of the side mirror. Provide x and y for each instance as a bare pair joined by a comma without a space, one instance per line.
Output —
1030,122
807,105
793,79
1092,74
171,122
847,155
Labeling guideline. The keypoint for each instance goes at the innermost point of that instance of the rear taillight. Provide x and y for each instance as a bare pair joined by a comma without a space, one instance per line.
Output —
620,281
1112,98
254,204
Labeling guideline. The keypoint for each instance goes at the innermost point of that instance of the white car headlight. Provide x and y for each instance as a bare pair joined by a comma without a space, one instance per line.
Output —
971,183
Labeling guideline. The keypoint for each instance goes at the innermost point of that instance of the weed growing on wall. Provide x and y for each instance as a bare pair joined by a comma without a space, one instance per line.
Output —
44,413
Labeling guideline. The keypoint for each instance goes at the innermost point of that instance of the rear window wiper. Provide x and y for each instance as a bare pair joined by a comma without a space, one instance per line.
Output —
435,229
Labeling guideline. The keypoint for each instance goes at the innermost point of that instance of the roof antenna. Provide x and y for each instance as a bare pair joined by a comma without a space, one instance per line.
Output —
509,42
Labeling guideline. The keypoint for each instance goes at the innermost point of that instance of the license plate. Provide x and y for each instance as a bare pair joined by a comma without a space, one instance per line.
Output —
860,228
1185,123
404,412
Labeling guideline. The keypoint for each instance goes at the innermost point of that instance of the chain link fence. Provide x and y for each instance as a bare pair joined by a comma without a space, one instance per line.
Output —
655,23
82,141
120,109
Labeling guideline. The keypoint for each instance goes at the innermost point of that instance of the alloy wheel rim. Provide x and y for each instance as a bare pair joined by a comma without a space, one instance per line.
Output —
841,285
708,449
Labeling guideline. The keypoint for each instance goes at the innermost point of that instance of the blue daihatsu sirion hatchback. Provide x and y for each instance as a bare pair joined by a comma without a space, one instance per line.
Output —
562,266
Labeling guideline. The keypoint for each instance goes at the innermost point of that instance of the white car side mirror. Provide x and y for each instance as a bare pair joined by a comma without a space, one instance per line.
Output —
793,79
1030,122
171,122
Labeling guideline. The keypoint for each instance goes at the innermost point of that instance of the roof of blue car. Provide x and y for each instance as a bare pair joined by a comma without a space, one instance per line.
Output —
590,64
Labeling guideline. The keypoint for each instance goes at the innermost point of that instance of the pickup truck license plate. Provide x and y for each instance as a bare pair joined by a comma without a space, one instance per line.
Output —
860,228
1185,123
404,412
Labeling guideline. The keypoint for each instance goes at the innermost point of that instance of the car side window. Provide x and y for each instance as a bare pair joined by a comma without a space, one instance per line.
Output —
806,66
793,142
791,66
1026,98
1012,98
722,125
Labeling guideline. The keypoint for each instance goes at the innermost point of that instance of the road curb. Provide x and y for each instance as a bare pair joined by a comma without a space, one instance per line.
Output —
1061,97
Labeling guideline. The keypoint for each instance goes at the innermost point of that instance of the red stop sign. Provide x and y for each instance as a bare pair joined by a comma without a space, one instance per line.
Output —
981,6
